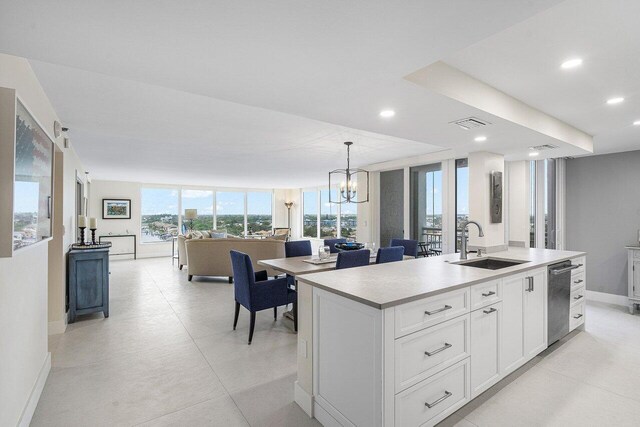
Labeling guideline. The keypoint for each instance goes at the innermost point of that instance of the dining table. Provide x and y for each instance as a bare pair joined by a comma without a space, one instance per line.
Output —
296,266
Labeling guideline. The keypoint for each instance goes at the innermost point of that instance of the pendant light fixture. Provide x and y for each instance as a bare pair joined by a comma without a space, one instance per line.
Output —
348,179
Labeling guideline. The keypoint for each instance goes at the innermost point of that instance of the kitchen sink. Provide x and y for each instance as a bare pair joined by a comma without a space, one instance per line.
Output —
490,263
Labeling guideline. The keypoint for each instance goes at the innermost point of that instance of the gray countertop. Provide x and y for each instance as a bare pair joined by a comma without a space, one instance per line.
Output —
386,285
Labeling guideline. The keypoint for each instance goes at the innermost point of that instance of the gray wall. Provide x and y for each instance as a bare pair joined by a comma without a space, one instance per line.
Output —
603,215
391,205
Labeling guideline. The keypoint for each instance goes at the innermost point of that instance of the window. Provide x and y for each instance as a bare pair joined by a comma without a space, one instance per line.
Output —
462,197
328,214
230,212
348,220
310,214
202,201
159,209
426,204
532,204
550,203
259,212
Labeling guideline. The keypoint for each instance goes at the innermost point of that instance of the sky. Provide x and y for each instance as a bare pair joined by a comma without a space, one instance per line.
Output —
159,201
26,196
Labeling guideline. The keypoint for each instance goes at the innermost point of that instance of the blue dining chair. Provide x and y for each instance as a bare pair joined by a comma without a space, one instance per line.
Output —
297,248
332,244
410,246
256,293
390,254
349,259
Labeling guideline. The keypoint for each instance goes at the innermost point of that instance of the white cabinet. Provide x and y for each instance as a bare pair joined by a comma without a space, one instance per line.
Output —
524,318
512,345
633,276
535,312
485,347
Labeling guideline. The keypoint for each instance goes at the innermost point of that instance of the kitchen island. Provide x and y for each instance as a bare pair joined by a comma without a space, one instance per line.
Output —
409,343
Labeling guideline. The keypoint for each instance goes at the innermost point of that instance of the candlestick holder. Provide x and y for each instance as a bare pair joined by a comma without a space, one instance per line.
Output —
93,236
82,242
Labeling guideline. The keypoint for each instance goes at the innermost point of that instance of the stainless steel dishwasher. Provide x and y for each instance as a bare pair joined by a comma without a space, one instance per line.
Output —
559,280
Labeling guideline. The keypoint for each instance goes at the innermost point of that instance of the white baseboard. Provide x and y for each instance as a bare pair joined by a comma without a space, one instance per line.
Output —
30,407
57,327
607,298
303,399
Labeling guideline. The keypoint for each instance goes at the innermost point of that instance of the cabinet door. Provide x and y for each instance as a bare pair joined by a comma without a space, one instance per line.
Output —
485,347
535,313
636,278
512,343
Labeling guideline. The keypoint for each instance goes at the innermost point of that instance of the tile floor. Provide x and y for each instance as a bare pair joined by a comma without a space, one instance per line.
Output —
168,356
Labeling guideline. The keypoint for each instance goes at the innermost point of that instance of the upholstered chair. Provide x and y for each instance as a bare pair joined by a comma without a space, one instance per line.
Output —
390,254
332,244
255,293
349,259
297,248
410,246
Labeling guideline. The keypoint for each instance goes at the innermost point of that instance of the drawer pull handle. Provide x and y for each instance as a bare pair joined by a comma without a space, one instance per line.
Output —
577,297
431,353
491,310
446,307
578,281
577,316
488,294
529,284
447,394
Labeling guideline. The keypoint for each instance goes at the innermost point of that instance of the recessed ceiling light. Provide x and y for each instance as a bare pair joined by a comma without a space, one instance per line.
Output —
571,63
533,153
387,113
480,138
613,101
637,123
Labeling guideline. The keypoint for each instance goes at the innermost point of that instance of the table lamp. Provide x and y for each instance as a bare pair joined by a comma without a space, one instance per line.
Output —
190,215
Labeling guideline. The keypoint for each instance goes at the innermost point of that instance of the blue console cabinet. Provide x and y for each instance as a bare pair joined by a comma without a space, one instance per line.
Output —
88,282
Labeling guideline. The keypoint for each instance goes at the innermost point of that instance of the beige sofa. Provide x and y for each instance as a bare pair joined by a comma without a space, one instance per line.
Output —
210,257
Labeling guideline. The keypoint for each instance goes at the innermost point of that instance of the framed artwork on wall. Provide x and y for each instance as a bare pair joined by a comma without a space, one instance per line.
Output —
26,153
116,208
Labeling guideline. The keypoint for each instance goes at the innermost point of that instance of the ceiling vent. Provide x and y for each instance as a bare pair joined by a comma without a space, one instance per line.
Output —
543,147
470,123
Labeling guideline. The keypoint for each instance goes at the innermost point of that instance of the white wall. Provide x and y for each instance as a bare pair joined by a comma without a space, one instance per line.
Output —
518,202
24,360
481,164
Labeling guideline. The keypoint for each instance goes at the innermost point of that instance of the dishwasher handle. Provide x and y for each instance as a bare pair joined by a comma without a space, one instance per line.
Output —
564,270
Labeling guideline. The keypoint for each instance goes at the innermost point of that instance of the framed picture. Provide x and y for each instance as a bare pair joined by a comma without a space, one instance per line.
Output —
116,208
30,162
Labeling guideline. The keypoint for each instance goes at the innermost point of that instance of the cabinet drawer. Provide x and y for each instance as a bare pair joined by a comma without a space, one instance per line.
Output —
578,281
576,316
578,261
578,295
423,353
484,294
427,312
435,398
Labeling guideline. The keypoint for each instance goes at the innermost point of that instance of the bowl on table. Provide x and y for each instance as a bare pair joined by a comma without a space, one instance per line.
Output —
349,246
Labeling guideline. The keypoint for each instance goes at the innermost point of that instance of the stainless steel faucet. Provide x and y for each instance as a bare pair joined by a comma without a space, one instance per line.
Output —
463,238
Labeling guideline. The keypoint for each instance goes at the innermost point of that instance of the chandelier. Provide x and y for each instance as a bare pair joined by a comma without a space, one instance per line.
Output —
348,179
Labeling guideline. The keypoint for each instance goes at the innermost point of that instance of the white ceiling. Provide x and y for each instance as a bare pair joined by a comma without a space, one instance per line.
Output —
253,93
525,59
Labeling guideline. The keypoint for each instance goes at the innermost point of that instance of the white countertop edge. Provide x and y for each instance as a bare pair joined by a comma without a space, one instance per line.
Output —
509,271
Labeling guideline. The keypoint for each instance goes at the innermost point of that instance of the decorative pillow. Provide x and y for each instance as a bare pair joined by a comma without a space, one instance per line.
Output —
205,234
219,234
196,234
